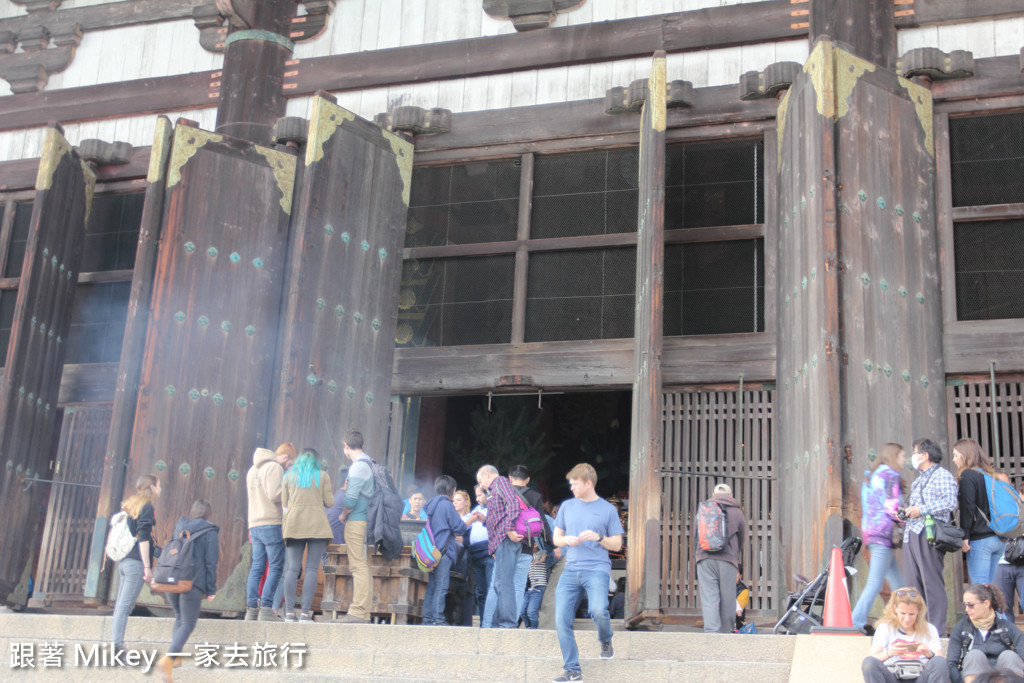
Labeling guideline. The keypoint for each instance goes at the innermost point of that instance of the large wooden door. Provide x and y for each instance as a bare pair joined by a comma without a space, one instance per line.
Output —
208,363
35,356
714,436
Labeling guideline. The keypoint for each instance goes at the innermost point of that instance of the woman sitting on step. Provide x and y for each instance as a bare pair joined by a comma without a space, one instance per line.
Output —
905,646
984,639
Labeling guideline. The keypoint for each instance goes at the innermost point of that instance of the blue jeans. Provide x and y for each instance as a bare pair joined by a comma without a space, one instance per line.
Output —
531,606
482,570
883,567
130,572
520,575
983,558
437,590
567,598
267,545
186,614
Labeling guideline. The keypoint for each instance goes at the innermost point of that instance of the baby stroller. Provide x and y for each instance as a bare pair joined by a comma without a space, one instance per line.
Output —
805,607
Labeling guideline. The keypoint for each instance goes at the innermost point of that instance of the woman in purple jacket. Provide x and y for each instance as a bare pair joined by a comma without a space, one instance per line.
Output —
880,498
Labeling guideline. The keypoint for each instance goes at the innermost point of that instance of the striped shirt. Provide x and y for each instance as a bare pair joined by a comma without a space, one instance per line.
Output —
502,511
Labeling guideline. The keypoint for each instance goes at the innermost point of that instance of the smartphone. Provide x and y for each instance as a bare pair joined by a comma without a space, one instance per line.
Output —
912,647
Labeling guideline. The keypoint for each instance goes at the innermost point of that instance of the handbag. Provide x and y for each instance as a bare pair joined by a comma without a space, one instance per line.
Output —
905,669
1013,551
897,536
948,538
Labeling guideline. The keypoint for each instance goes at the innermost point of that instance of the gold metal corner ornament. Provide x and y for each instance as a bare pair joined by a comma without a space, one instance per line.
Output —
403,157
324,120
656,83
780,123
922,99
187,141
820,68
55,148
90,188
283,166
158,152
849,68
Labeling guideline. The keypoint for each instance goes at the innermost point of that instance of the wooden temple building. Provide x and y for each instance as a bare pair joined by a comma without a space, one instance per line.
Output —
792,229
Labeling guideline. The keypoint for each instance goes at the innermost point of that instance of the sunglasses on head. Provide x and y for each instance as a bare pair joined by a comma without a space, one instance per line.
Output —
906,593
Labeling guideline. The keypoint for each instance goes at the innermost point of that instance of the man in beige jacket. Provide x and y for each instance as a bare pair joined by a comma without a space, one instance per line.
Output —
263,483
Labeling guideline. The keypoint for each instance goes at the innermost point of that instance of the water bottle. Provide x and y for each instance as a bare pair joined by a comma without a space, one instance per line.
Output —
929,528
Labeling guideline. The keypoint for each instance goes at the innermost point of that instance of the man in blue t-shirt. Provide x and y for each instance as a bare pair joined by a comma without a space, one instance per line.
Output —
588,527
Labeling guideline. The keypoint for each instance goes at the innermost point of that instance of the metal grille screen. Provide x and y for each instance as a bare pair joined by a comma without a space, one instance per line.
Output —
586,193
714,288
710,184
584,294
987,159
454,301
477,202
989,270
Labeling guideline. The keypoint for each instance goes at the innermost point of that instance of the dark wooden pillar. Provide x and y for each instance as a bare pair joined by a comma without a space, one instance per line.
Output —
251,91
860,322
644,540
866,27
126,391
35,356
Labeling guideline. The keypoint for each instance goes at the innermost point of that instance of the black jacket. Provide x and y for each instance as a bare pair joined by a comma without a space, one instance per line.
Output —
142,527
965,637
384,515
205,552
973,495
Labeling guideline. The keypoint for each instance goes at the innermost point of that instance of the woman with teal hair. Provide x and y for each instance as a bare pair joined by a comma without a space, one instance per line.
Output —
305,495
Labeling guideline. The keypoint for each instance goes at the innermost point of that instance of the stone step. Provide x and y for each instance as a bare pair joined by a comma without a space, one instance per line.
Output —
383,652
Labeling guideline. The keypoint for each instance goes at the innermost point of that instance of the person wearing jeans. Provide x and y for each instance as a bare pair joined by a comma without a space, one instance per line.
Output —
136,567
589,527
521,571
505,545
880,502
205,555
981,545
263,485
446,524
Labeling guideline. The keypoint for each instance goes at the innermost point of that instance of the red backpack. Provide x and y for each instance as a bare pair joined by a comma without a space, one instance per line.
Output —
711,522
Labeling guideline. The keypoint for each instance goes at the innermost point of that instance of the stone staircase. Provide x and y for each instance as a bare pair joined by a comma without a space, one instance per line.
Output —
354,652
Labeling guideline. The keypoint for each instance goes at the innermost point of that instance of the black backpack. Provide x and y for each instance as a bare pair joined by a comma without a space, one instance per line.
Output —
384,514
175,570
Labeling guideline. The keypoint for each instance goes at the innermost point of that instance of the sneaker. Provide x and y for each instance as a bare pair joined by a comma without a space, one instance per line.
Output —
251,613
305,617
267,614
350,619
606,650
289,617
570,676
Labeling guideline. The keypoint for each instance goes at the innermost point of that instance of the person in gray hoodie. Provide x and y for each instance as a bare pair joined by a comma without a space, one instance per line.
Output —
716,570
263,484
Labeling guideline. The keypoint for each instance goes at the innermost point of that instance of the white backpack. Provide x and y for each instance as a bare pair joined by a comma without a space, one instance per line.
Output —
120,540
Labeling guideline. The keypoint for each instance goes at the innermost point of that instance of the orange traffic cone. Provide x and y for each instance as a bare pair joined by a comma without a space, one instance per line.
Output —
837,599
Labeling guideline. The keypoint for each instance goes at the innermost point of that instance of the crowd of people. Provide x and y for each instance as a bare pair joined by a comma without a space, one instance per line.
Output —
294,512
506,572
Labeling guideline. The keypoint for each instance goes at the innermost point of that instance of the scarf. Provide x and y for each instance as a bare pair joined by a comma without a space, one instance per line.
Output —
986,623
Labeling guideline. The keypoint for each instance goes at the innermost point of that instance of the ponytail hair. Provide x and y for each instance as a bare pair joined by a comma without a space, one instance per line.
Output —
990,592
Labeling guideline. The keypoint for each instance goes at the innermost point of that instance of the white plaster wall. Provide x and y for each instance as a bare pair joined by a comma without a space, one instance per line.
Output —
989,38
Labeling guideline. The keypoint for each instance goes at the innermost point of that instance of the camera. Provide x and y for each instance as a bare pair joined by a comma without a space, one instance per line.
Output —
901,513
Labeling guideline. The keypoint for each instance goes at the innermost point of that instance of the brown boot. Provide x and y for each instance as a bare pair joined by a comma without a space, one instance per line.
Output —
177,663
164,666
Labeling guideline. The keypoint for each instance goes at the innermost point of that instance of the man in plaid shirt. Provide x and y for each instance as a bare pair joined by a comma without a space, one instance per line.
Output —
934,492
502,542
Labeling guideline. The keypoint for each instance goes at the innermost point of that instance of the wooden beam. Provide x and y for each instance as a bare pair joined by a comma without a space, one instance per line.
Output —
106,16
969,346
966,214
598,364
746,24
924,12
866,26
993,76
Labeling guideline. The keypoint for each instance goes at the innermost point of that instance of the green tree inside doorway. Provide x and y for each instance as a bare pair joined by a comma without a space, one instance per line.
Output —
509,434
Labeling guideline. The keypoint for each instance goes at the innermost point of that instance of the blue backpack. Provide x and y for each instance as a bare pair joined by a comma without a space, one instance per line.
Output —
1005,506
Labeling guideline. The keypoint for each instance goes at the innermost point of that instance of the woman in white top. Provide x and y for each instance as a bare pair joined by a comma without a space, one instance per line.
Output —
905,644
